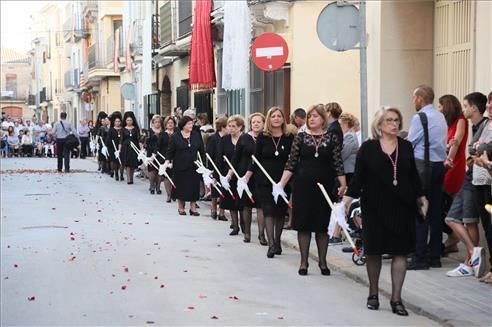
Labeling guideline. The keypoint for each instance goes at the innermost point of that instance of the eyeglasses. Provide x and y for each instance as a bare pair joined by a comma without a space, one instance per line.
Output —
392,121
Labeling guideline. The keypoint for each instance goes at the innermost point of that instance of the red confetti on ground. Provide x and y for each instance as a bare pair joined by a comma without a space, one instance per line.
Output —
190,308
233,298
156,277
146,223
72,238
99,221
123,287
150,322
202,296
72,233
98,210
72,258
130,316
162,285
15,266
214,317
126,269
32,298
113,275
280,318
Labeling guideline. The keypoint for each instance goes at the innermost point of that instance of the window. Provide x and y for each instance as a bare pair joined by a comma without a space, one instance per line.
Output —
11,84
185,17
166,24
256,95
183,95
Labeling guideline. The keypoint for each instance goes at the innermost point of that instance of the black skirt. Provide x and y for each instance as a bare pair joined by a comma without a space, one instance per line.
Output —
228,202
187,185
270,208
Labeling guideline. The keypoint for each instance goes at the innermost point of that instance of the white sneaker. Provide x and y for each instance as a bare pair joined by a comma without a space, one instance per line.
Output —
460,271
477,261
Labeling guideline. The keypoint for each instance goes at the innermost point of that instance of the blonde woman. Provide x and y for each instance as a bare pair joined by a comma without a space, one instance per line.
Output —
272,150
241,160
315,157
388,184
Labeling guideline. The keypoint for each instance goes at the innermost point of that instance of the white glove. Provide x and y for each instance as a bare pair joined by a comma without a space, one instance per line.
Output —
207,180
224,181
105,152
92,146
338,217
117,154
242,186
142,156
278,190
162,169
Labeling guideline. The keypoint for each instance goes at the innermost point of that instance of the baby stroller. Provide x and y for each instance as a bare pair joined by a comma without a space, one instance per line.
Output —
355,223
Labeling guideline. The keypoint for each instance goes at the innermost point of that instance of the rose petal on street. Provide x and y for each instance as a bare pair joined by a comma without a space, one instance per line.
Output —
214,317
162,286
123,287
32,298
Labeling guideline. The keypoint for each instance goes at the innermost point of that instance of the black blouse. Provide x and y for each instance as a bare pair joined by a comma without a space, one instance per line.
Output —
114,135
183,152
329,149
157,143
245,147
212,146
227,148
266,149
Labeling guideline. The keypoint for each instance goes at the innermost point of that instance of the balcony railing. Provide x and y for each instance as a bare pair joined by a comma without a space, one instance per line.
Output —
95,58
110,46
89,6
67,28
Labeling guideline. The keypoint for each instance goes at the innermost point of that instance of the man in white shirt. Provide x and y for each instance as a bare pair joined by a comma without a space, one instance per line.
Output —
7,123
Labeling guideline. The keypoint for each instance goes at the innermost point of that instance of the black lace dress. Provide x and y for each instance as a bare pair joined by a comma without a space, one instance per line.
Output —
114,137
227,148
311,212
157,143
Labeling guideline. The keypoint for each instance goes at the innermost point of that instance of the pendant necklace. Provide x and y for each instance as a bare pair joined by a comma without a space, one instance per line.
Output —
394,163
316,145
276,144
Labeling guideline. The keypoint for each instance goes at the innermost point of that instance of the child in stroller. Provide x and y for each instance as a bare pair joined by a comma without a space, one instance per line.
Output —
354,218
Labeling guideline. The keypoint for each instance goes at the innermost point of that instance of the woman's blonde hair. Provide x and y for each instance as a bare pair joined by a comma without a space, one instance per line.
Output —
238,119
154,117
268,125
167,119
253,115
348,119
320,110
378,120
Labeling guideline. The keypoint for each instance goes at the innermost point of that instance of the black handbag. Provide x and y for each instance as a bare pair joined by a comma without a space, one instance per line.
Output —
71,141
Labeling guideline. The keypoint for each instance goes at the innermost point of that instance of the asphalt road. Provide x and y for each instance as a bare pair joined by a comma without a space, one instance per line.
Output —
82,249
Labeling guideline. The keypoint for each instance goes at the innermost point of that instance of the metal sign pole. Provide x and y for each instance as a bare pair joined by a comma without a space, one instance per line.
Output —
363,70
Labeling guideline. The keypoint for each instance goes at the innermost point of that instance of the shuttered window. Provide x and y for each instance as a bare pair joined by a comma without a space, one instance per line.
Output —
453,48
185,17
166,25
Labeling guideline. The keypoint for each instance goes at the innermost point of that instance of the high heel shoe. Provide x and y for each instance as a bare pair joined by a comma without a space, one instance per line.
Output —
278,249
398,308
152,192
271,252
159,192
247,238
262,240
325,271
303,271
373,302
235,231
182,212
194,213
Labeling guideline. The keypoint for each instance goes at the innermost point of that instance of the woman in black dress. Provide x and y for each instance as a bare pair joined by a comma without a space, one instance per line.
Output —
227,147
315,158
131,133
272,151
156,145
387,181
114,139
241,160
211,149
183,150
99,130
169,129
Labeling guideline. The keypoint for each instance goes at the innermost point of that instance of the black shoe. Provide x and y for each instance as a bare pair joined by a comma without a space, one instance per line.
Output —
373,302
159,192
335,241
262,240
347,249
111,175
325,271
116,177
194,213
271,252
398,308
302,271
278,249
181,212
235,231
417,265
222,218
67,170
129,183
247,238
435,263
168,200
232,226
214,215
152,192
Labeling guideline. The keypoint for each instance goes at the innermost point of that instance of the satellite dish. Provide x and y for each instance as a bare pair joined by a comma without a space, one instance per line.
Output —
338,27
128,91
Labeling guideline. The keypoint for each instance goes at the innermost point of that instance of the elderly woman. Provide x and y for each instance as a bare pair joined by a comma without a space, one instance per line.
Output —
13,141
315,157
182,151
388,184
350,144
26,142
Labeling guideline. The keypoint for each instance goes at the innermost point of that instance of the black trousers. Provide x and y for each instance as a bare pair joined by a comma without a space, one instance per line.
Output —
483,196
63,155
430,247
84,147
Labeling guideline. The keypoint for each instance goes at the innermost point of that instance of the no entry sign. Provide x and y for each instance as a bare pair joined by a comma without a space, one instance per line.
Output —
269,51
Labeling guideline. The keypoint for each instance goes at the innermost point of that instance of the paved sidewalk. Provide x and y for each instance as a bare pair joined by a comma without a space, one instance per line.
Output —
449,301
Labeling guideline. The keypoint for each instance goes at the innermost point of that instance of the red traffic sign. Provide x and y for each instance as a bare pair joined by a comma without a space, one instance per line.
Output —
269,51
